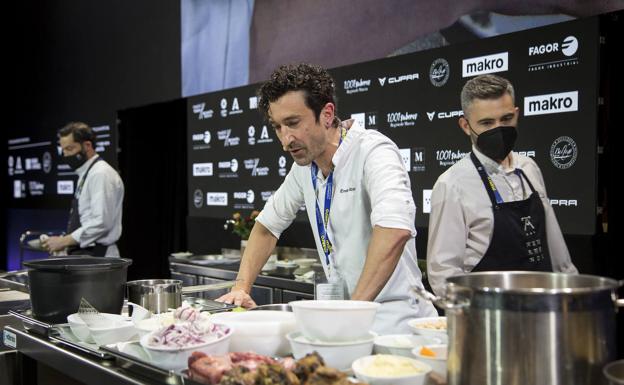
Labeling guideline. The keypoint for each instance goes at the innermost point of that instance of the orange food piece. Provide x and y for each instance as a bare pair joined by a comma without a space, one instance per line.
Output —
425,351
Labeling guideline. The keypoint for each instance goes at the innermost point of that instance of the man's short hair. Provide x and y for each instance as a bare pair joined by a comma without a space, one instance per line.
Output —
316,83
485,87
81,132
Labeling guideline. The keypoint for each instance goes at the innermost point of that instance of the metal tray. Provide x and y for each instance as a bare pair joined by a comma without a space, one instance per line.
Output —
62,334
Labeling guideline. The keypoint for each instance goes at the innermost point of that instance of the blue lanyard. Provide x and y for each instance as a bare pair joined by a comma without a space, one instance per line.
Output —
329,189
492,186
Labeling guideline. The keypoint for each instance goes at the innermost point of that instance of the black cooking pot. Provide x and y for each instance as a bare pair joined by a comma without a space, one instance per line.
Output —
58,284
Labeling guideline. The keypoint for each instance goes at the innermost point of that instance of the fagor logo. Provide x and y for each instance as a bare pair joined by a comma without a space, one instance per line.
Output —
551,103
498,62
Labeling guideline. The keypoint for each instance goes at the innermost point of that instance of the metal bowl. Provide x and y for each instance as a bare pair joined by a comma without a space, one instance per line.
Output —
275,306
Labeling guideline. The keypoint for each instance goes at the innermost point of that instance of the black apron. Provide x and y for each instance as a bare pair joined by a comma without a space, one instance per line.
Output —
519,237
97,250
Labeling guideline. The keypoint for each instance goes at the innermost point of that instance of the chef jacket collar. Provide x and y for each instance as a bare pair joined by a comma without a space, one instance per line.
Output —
493,167
82,169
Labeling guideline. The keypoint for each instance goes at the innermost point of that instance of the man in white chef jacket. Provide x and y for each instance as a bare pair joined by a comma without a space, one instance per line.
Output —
94,224
357,195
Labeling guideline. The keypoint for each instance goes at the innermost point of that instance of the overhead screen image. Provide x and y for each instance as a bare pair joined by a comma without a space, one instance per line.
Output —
235,161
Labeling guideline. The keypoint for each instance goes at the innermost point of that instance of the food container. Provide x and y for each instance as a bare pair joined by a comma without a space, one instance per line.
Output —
430,327
388,369
335,320
339,355
437,361
401,344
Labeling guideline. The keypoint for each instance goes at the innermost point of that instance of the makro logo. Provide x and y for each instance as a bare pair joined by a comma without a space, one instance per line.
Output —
366,119
485,64
563,152
281,162
198,198
228,140
444,114
401,119
354,86
564,202
426,202
439,72
406,156
201,112
202,169
551,103
65,187
568,47
398,79
216,199
252,164
449,157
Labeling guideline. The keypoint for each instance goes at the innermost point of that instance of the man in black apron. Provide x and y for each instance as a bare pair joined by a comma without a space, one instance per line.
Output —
95,217
489,211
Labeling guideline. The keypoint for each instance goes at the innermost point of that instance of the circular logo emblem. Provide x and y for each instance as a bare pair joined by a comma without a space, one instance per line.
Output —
47,162
251,131
250,196
198,198
206,137
282,161
439,72
223,103
563,152
234,165
569,46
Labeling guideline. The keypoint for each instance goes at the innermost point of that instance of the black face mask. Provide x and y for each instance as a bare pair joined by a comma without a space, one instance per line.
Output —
76,160
498,142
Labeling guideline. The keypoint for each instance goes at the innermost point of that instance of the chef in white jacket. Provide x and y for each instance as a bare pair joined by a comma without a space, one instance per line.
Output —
357,195
94,224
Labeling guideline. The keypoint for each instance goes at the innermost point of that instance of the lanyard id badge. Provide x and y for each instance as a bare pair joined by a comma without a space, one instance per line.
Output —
329,289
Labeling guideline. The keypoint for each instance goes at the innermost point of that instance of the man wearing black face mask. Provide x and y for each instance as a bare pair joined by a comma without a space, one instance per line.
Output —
95,216
489,211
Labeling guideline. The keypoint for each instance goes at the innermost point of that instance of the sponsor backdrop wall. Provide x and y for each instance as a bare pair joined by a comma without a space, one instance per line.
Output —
235,161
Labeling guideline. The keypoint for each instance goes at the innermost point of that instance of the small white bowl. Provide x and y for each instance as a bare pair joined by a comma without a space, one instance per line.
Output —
339,355
437,363
388,368
402,344
175,358
430,327
335,320
119,328
263,332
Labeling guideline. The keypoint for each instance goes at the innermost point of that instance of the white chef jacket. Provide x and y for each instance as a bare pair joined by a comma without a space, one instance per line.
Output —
99,206
461,223
371,188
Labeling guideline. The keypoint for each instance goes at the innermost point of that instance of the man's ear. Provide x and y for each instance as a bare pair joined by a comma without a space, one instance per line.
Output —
327,113
463,123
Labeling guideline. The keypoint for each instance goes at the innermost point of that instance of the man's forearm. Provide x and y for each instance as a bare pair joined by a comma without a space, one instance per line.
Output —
259,247
384,252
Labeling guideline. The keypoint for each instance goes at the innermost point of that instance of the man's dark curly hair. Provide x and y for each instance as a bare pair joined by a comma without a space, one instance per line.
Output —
315,81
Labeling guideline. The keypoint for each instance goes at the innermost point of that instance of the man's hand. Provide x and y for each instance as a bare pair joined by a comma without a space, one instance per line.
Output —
238,297
53,244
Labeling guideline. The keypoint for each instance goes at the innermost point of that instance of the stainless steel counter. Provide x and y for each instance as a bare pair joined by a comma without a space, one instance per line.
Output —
77,365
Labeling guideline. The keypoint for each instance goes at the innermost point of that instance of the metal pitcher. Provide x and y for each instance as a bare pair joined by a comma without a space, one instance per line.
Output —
518,328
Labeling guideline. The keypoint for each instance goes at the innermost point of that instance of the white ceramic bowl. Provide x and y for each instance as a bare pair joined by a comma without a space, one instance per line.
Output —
119,330
155,322
402,344
437,363
263,332
430,327
335,321
171,358
388,369
339,355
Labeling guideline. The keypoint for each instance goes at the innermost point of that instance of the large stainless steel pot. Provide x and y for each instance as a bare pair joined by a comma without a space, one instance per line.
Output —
160,295
517,328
